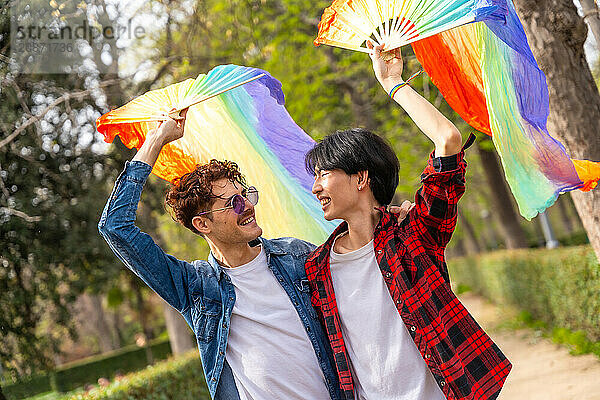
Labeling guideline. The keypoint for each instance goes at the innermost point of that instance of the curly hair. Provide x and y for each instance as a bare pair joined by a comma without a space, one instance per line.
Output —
192,193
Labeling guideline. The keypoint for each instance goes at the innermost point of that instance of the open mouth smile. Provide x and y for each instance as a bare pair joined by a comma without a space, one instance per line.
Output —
324,201
248,220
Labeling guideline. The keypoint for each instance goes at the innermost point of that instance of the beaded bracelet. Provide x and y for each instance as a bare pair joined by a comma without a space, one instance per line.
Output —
401,85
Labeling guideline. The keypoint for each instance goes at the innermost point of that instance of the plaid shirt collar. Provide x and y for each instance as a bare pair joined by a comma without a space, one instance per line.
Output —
320,256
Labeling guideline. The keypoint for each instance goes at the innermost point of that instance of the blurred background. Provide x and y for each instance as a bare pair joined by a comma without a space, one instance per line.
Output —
75,322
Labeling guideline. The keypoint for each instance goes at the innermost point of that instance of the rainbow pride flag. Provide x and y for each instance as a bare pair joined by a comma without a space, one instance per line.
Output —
488,75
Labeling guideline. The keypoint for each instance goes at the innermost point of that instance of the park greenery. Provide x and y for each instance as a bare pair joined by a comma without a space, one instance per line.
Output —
64,295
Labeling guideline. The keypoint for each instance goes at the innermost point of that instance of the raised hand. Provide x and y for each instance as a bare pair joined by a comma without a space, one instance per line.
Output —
156,139
388,66
169,130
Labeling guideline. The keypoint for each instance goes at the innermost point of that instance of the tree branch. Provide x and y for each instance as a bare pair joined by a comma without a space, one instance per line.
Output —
20,214
61,99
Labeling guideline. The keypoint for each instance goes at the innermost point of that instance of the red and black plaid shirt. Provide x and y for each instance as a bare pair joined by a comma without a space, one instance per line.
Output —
464,361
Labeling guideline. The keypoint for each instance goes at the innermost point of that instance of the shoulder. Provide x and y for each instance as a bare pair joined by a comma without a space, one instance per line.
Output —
204,269
289,245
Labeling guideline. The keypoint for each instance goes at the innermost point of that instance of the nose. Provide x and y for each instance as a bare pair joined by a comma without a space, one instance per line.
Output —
248,205
316,187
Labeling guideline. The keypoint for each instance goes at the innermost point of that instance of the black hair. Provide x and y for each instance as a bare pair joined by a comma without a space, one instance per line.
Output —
355,150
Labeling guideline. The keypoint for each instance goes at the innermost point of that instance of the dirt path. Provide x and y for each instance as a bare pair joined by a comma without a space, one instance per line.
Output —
541,370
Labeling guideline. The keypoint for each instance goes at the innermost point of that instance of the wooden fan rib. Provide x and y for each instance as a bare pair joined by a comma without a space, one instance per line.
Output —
466,20
223,91
370,9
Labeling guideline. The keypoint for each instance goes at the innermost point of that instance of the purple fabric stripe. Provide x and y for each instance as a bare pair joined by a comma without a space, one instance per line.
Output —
283,136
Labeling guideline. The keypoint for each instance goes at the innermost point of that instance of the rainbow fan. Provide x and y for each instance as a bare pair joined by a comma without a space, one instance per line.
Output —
351,23
236,113
488,75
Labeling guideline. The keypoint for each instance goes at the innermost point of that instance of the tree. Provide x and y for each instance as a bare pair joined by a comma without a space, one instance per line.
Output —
556,34
510,221
53,184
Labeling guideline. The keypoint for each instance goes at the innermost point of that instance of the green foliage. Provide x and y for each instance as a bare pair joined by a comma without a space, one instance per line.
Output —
577,341
180,241
88,370
29,387
574,239
462,288
559,287
181,378
54,181
130,358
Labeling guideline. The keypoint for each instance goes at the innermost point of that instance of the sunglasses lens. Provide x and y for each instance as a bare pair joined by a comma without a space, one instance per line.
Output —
238,203
252,195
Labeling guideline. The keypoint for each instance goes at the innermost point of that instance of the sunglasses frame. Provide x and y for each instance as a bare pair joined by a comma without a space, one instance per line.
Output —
250,190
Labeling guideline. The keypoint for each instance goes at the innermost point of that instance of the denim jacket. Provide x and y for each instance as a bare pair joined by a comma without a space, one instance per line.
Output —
201,291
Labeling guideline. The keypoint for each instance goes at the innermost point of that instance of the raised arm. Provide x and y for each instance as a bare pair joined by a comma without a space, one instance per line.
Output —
171,278
431,122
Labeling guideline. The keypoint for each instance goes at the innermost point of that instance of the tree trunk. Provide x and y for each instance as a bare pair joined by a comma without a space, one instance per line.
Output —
136,286
472,246
140,305
117,327
179,332
556,35
590,15
564,214
97,318
508,219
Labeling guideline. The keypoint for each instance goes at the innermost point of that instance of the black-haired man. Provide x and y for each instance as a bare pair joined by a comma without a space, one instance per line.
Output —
380,286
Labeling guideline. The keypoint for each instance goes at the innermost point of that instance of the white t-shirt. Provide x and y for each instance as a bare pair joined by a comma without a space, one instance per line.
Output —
385,361
268,349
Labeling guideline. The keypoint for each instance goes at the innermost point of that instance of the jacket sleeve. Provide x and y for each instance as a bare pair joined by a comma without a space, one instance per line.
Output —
169,277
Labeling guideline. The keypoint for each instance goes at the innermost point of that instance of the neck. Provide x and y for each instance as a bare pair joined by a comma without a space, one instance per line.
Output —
233,254
361,224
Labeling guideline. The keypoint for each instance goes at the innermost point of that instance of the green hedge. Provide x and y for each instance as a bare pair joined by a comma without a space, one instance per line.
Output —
560,287
127,359
181,378
28,387
73,375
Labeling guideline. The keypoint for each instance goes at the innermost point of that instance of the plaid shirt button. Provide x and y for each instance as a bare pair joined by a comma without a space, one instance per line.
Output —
427,356
442,383
413,328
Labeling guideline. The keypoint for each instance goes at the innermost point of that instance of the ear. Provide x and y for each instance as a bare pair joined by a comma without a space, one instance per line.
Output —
201,224
362,181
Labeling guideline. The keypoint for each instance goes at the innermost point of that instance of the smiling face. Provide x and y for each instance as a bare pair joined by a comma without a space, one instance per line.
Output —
336,191
225,226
